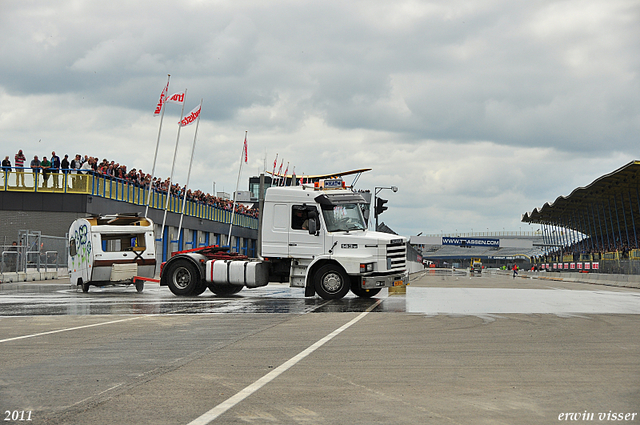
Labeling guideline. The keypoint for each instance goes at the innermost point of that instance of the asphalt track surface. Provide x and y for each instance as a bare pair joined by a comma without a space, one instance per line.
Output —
452,350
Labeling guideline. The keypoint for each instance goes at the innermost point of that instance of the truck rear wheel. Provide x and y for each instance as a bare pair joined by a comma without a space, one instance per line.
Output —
220,289
183,278
331,282
202,286
363,293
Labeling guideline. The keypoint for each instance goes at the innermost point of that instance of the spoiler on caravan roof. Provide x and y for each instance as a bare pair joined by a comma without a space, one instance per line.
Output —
121,219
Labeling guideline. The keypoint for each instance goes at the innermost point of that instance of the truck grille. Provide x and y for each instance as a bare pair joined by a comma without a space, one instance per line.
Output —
396,256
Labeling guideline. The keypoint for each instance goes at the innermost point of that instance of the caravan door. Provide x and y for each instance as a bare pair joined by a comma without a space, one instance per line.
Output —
80,251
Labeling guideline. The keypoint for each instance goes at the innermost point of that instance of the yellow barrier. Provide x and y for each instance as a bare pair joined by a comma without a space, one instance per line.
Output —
634,254
25,180
611,256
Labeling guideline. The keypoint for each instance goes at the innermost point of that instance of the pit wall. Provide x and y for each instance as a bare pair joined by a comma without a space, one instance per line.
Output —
32,276
622,280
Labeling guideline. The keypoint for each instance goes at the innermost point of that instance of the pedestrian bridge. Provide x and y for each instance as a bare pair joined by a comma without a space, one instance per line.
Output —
24,180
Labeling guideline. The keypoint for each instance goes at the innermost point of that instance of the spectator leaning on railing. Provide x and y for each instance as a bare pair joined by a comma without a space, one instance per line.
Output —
6,169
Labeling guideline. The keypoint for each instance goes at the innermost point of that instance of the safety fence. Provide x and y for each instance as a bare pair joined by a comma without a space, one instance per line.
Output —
34,252
24,180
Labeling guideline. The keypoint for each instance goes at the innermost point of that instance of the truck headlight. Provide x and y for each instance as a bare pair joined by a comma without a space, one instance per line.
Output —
366,267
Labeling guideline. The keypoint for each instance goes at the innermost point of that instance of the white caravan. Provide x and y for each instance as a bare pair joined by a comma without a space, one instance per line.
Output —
111,249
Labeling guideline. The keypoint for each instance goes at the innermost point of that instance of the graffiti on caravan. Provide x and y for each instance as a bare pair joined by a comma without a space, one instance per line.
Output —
471,242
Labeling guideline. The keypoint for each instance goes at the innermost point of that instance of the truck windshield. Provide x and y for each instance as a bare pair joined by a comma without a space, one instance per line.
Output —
343,217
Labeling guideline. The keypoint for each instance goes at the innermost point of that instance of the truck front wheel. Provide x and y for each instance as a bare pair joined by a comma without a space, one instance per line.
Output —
183,278
331,282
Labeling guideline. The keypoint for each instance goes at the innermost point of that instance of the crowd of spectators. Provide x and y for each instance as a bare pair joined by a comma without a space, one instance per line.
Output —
593,247
113,170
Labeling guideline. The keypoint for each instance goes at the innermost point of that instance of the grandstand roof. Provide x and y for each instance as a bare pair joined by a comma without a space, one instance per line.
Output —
620,189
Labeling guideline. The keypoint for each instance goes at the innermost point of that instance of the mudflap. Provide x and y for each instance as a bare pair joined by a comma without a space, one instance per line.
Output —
309,290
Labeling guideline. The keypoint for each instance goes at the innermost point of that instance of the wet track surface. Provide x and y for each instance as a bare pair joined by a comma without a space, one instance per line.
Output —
43,299
451,350
55,299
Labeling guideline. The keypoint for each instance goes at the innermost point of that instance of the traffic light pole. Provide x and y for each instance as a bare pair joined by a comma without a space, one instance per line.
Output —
379,209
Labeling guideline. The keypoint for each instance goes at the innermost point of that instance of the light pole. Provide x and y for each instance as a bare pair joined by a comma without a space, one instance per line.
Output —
378,209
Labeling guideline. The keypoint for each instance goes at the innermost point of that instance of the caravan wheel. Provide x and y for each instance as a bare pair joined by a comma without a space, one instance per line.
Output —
85,285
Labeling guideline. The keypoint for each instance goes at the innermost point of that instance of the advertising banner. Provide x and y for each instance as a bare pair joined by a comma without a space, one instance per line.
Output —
471,241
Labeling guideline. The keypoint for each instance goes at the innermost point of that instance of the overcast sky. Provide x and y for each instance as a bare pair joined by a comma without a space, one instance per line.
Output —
479,111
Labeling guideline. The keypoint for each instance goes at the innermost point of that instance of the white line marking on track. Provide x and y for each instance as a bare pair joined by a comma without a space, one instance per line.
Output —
69,329
247,391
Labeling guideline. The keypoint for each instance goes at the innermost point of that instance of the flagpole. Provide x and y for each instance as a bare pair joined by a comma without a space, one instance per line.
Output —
284,176
273,173
173,165
193,149
235,194
279,170
155,155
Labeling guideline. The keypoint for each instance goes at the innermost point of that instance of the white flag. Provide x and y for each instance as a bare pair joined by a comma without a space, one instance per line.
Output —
163,98
176,98
192,116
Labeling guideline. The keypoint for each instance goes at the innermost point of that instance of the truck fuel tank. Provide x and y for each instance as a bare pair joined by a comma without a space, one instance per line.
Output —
241,273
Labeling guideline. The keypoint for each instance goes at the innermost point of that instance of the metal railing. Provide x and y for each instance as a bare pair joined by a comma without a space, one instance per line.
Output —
67,181
487,234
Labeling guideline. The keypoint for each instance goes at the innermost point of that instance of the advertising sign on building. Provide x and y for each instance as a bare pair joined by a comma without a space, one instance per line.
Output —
471,241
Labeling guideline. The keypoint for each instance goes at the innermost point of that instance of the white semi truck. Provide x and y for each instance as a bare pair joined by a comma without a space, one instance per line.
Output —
313,236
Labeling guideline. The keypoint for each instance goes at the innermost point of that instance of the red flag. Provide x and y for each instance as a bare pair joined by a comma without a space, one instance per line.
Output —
273,173
245,148
192,117
280,169
163,96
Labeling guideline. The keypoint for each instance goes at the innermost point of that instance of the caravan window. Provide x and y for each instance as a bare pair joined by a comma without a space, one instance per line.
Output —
123,242
72,247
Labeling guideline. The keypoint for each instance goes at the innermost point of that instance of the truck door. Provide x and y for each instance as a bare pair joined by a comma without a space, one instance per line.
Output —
275,234
301,243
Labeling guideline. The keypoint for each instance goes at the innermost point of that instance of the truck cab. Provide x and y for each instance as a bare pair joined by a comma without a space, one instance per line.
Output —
321,227
312,236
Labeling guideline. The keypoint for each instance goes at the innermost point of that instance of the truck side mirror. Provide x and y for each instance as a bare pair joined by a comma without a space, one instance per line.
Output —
312,213
312,226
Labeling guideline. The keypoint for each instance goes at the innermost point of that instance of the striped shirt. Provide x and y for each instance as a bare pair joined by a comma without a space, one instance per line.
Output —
19,160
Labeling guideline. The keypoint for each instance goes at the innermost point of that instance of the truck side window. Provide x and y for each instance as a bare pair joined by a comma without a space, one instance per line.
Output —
299,218
72,247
